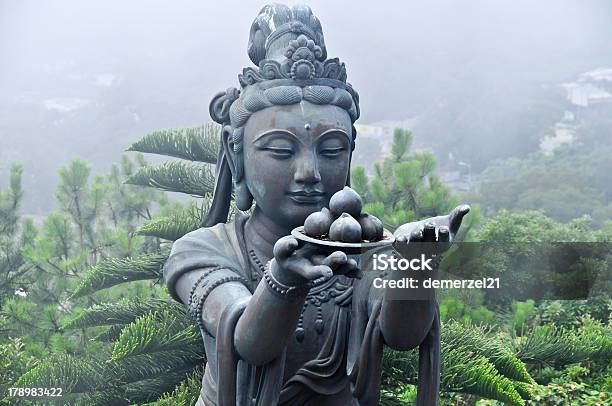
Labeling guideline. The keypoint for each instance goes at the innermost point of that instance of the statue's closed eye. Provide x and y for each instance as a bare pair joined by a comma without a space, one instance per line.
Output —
332,152
280,153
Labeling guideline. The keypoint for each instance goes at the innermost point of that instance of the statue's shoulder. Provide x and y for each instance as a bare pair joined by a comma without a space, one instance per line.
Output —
219,244
206,247
210,239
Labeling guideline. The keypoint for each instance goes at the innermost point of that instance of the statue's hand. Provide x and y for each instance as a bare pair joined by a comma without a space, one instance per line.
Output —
438,232
295,265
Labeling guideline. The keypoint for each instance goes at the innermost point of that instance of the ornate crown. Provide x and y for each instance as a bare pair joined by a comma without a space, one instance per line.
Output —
287,45
303,61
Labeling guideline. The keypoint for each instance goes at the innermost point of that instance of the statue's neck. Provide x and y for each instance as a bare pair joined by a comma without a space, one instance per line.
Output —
262,232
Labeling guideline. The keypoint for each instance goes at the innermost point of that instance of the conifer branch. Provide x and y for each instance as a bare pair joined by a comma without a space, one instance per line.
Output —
114,271
199,144
186,393
177,224
176,176
154,332
122,312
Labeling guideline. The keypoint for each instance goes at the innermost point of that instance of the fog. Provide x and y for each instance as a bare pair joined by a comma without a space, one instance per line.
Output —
479,78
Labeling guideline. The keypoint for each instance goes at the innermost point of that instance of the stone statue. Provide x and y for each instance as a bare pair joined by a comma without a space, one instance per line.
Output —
282,322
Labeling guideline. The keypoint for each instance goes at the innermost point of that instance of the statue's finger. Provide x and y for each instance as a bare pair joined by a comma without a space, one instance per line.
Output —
416,235
456,217
335,260
443,234
284,247
444,240
349,268
429,232
317,272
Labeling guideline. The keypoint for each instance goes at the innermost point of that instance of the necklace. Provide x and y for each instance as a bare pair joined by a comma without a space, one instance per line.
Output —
260,268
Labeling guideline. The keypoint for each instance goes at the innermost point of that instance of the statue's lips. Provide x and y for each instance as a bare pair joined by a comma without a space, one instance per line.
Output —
306,197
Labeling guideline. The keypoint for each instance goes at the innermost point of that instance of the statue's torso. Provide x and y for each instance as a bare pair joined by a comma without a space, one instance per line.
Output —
321,336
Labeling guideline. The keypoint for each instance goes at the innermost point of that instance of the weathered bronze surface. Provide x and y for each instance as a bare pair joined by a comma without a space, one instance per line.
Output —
286,323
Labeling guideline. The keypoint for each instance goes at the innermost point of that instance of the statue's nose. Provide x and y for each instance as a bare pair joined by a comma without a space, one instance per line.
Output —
307,170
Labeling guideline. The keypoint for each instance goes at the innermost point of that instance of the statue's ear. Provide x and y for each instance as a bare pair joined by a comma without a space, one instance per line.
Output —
229,136
348,176
227,143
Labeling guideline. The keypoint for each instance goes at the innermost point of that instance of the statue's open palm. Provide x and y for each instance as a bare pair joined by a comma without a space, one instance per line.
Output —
437,233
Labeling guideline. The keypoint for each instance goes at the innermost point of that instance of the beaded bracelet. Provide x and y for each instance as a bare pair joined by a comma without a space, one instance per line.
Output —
195,286
282,289
202,295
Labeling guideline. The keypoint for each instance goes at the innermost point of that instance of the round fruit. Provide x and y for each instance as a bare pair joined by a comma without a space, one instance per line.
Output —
346,201
318,223
371,227
346,229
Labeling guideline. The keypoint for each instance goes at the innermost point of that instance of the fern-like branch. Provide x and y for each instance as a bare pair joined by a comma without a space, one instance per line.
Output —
552,345
159,331
114,271
122,312
481,341
177,224
176,176
195,144
186,393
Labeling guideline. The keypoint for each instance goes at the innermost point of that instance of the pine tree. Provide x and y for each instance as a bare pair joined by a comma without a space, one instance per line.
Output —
15,235
156,356
404,186
149,345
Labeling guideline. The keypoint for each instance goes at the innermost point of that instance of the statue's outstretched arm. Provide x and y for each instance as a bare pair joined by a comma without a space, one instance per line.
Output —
271,315
406,318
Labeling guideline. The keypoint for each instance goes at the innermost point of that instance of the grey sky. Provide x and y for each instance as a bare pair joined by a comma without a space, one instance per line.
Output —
168,59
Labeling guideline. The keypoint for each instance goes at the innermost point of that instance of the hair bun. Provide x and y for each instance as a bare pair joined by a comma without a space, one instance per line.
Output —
276,25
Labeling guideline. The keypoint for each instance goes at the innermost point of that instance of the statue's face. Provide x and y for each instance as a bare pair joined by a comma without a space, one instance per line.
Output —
295,158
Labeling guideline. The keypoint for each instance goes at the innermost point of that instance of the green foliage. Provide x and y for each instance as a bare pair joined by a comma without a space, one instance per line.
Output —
14,361
137,347
176,176
533,183
199,144
535,257
177,223
186,394
576,385
104,245
71,374
481,341
92,381
474,360
10,200
113,271
470,373
523,313
159,331
404,187
570,313
462,371
557,346
123,312
455,309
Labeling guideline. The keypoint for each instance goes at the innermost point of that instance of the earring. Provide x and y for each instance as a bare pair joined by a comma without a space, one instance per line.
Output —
244,198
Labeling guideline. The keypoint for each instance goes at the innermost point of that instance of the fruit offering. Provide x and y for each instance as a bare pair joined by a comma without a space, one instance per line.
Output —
344,220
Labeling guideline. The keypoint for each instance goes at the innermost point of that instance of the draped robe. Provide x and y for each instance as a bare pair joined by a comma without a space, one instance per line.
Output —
347,366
